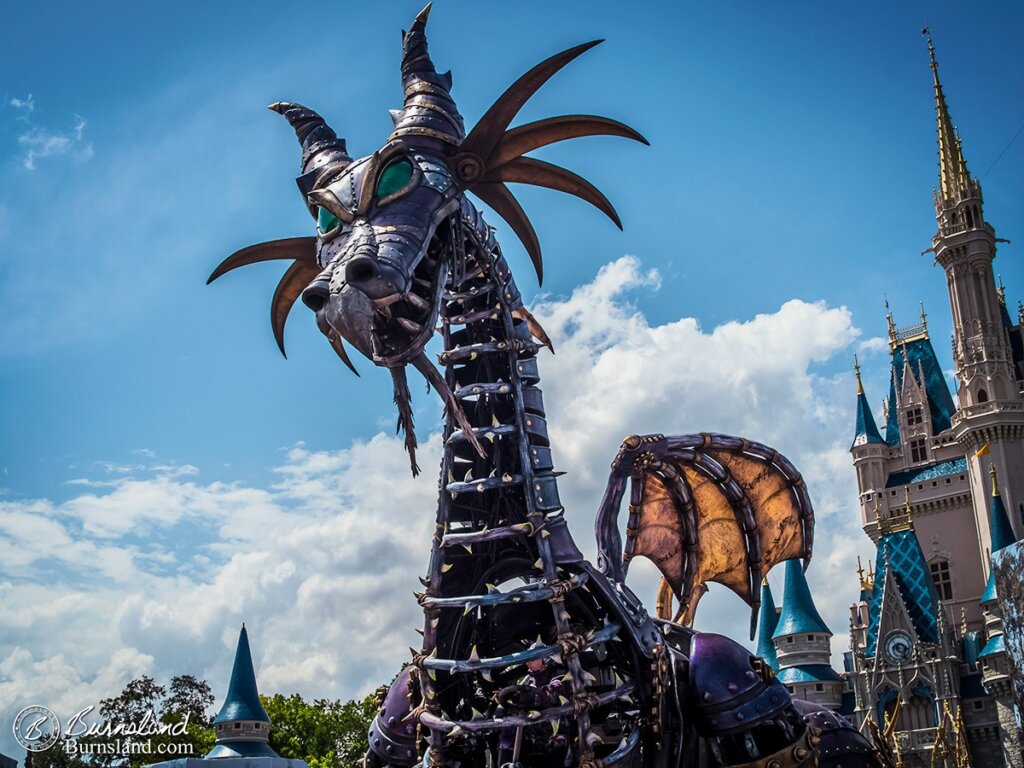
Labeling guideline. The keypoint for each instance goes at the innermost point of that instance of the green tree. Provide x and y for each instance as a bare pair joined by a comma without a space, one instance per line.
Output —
324,733
187,699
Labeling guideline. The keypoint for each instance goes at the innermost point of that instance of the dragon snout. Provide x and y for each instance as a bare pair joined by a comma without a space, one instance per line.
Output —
368,274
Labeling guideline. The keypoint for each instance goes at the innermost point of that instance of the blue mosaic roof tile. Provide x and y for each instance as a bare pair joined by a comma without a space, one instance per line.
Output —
940,402
995,644
931,472
900,558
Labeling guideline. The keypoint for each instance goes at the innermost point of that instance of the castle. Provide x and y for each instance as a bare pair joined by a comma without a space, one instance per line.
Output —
939,492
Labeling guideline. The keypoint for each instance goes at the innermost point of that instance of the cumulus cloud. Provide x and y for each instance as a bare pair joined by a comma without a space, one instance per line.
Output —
152,569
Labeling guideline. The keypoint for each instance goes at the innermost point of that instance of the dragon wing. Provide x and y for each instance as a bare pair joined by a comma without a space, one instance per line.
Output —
703,508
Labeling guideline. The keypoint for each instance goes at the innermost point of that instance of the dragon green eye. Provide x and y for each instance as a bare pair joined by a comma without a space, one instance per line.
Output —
395,176
326,221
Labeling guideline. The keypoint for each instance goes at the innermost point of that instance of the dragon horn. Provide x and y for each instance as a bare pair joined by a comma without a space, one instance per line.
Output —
297,248
486,134
492,155
429,112
320,144
298,276
496,195
526,138
526,170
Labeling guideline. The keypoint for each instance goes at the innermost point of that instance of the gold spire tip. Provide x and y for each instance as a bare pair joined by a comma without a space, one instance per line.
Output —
856,371
995,480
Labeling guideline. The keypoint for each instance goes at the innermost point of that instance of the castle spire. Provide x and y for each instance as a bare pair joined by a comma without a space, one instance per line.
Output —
865,430
799,615
767,620
954,178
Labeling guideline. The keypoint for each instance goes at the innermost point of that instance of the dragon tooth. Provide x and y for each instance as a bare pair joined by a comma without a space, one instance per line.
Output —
447,567
474,656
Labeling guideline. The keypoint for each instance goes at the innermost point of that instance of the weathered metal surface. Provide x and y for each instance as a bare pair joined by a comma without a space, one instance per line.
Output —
509,601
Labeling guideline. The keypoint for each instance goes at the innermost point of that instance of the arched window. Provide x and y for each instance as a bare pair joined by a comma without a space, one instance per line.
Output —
982,396
970,217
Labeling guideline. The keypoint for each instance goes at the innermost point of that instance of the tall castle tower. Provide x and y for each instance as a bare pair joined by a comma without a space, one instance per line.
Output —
926,648
991,405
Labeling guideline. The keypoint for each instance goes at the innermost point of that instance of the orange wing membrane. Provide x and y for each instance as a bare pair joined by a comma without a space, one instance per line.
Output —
704,508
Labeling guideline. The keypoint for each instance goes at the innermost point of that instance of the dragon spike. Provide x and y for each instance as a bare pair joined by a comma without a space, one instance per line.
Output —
486,134
526,170
320,144
297,248
294,281
429,112
496,195
526,138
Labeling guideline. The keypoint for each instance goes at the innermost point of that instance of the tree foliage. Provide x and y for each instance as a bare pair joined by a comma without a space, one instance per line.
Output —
324,733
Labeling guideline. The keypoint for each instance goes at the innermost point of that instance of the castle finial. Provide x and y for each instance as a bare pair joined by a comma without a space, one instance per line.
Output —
1001,290
1020,312
891,322
995,479
954,178
924,318
856,371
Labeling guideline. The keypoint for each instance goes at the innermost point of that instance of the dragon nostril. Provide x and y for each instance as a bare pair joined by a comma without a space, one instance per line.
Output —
316,296
361,269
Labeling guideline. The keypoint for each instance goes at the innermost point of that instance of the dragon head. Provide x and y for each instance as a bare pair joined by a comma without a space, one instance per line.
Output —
375,272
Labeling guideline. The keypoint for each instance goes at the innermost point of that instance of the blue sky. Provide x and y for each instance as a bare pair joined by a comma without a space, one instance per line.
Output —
792,159
792,156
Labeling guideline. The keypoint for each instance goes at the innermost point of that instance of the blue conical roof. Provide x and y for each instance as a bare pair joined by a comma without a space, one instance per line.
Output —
243,700
798,612
1002,537
865,430
767,620
900,559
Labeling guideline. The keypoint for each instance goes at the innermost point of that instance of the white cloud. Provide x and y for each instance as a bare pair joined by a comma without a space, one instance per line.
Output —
24,106
39,142
152,570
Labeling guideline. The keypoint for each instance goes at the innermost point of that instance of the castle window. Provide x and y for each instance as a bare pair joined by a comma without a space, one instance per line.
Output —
238,725
918,451
914,416
982,396
979,705
810,638
940,576
789,639
819,687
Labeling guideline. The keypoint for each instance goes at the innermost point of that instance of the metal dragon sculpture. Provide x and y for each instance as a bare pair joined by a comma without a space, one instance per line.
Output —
532,656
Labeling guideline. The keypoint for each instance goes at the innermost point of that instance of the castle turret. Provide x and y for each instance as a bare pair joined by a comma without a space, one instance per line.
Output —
242,726
803,644
869,452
